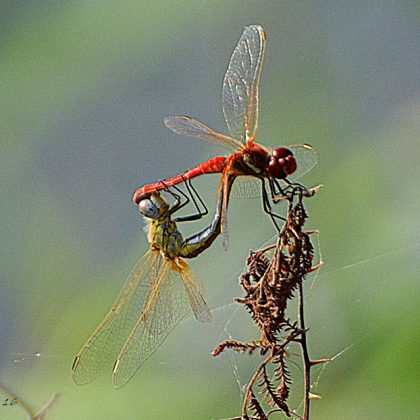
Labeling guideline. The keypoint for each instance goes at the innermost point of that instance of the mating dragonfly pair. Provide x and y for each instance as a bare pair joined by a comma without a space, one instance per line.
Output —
161,289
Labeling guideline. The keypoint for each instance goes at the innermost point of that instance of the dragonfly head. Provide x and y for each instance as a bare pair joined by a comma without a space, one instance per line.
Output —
154,206
282,163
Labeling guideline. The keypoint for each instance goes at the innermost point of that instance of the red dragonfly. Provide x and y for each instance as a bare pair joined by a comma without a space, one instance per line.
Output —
249,158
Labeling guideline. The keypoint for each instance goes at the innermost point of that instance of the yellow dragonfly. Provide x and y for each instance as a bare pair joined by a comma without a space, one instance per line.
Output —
159,292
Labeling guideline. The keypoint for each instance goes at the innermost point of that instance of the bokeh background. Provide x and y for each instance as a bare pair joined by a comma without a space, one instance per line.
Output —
84,88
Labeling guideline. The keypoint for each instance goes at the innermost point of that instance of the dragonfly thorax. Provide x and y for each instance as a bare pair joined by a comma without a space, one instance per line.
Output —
256,158
252,164
282,163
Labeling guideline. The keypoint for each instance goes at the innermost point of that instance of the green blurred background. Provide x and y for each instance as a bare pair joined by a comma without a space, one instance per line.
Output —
85,86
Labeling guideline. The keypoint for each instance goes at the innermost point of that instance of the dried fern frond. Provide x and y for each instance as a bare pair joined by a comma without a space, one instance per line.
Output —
270,281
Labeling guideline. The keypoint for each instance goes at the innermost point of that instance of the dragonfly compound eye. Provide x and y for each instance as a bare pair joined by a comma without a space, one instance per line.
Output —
282,163
148,209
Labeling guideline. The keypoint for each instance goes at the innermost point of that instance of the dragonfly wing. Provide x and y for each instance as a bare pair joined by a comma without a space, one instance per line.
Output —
167,305
188,126
246,187
196,295
306,158
240,85
103,346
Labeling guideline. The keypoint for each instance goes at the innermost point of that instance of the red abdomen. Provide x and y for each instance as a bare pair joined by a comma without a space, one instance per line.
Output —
211,166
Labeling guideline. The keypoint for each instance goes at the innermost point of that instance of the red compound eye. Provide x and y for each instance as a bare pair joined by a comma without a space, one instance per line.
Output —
275,169
290,165
281,152
282,163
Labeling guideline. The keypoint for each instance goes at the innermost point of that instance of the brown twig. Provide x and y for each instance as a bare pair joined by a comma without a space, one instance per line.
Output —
269,284
305,353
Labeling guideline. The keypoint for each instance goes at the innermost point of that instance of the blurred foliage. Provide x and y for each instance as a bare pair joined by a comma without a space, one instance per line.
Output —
85,86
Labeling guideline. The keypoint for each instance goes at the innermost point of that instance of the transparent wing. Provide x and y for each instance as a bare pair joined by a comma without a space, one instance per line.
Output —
196,295
103,346
306,158
246,187
240,85
168,303
187,126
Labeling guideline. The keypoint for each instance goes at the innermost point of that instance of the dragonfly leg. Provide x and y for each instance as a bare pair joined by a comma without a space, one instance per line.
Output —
196,199
290,191
275,189
267,206
194,194
177,197
295,187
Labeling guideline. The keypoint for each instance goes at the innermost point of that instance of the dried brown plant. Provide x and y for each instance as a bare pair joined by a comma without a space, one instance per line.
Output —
270,283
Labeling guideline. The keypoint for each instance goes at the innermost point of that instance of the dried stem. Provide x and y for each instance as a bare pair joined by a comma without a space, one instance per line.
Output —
270,281
304,345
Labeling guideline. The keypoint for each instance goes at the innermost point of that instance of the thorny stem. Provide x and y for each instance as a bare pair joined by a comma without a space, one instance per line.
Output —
269,284
307,362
